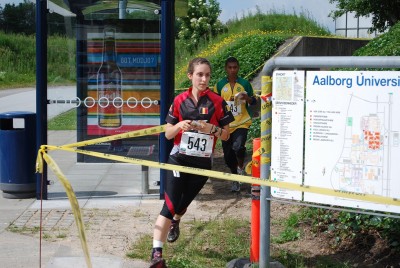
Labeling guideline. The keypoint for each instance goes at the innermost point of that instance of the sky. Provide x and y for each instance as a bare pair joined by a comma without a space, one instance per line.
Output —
317,10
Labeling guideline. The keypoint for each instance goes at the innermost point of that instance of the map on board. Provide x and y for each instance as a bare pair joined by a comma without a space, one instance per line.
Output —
287,136
352,140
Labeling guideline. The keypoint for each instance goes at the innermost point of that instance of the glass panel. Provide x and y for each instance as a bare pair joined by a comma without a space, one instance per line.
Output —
116,62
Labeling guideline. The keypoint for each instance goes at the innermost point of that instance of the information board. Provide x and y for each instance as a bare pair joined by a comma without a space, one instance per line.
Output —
352,136
287,131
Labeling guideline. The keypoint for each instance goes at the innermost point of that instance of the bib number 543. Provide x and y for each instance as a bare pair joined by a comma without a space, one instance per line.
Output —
196,144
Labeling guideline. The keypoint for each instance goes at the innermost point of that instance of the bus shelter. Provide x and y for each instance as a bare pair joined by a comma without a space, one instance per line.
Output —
121,54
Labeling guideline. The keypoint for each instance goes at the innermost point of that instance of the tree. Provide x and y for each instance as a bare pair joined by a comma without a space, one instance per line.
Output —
21,19
200,24
18,19
384,13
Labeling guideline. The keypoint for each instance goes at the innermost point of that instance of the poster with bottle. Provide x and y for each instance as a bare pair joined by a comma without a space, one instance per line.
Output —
120,81
109,82
123,80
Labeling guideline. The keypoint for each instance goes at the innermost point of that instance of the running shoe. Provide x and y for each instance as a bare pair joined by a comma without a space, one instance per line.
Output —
241,171
157,261
235,186
158,264
174,231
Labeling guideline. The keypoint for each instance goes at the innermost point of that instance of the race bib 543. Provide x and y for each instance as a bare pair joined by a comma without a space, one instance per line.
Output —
196,144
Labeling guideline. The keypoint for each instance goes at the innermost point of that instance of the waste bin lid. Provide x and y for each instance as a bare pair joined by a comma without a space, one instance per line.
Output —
16,114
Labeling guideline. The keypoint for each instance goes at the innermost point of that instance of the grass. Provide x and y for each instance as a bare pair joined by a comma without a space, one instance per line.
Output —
35,230
291,231
299,24
26,230
215,243
272,23
46,236
202,244
18,60
64,121
61,235
293,260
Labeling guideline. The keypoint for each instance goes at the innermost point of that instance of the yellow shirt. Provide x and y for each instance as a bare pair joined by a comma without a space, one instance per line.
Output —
239,109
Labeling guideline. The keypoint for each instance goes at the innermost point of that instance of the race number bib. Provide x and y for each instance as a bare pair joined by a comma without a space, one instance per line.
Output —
235,109
196,144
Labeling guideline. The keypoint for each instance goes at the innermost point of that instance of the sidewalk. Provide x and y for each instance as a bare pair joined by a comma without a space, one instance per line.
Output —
110,186
24,99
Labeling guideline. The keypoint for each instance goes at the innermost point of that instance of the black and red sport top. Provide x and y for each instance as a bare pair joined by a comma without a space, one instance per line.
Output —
210,107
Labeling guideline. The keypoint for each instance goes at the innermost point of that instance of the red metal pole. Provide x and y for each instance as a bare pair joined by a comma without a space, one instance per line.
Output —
255,204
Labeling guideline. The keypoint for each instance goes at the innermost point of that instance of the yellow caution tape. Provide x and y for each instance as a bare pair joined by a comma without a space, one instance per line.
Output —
258,152
255,162
235,177
131,134
72,200
248,167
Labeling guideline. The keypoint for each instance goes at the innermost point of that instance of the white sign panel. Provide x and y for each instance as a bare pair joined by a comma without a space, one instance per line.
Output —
287,131
352,140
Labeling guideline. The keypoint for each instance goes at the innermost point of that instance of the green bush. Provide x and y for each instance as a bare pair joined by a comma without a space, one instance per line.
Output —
388,44
353,226
18,60
251,49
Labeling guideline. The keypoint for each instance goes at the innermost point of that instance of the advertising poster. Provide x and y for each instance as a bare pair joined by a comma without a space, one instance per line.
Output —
121,85
125,81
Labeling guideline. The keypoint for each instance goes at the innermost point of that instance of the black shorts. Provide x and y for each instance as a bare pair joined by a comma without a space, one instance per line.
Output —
181,188
235,148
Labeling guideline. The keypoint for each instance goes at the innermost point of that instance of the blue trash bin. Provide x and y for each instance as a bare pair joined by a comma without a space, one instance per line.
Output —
18,154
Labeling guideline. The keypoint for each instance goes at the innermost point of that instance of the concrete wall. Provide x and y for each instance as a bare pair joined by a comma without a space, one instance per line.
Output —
319,46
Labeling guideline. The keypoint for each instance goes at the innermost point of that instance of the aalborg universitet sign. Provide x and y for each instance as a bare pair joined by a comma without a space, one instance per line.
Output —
344,123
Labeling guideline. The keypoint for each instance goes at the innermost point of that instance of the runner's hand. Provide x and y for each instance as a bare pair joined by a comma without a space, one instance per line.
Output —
202,126
185,125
